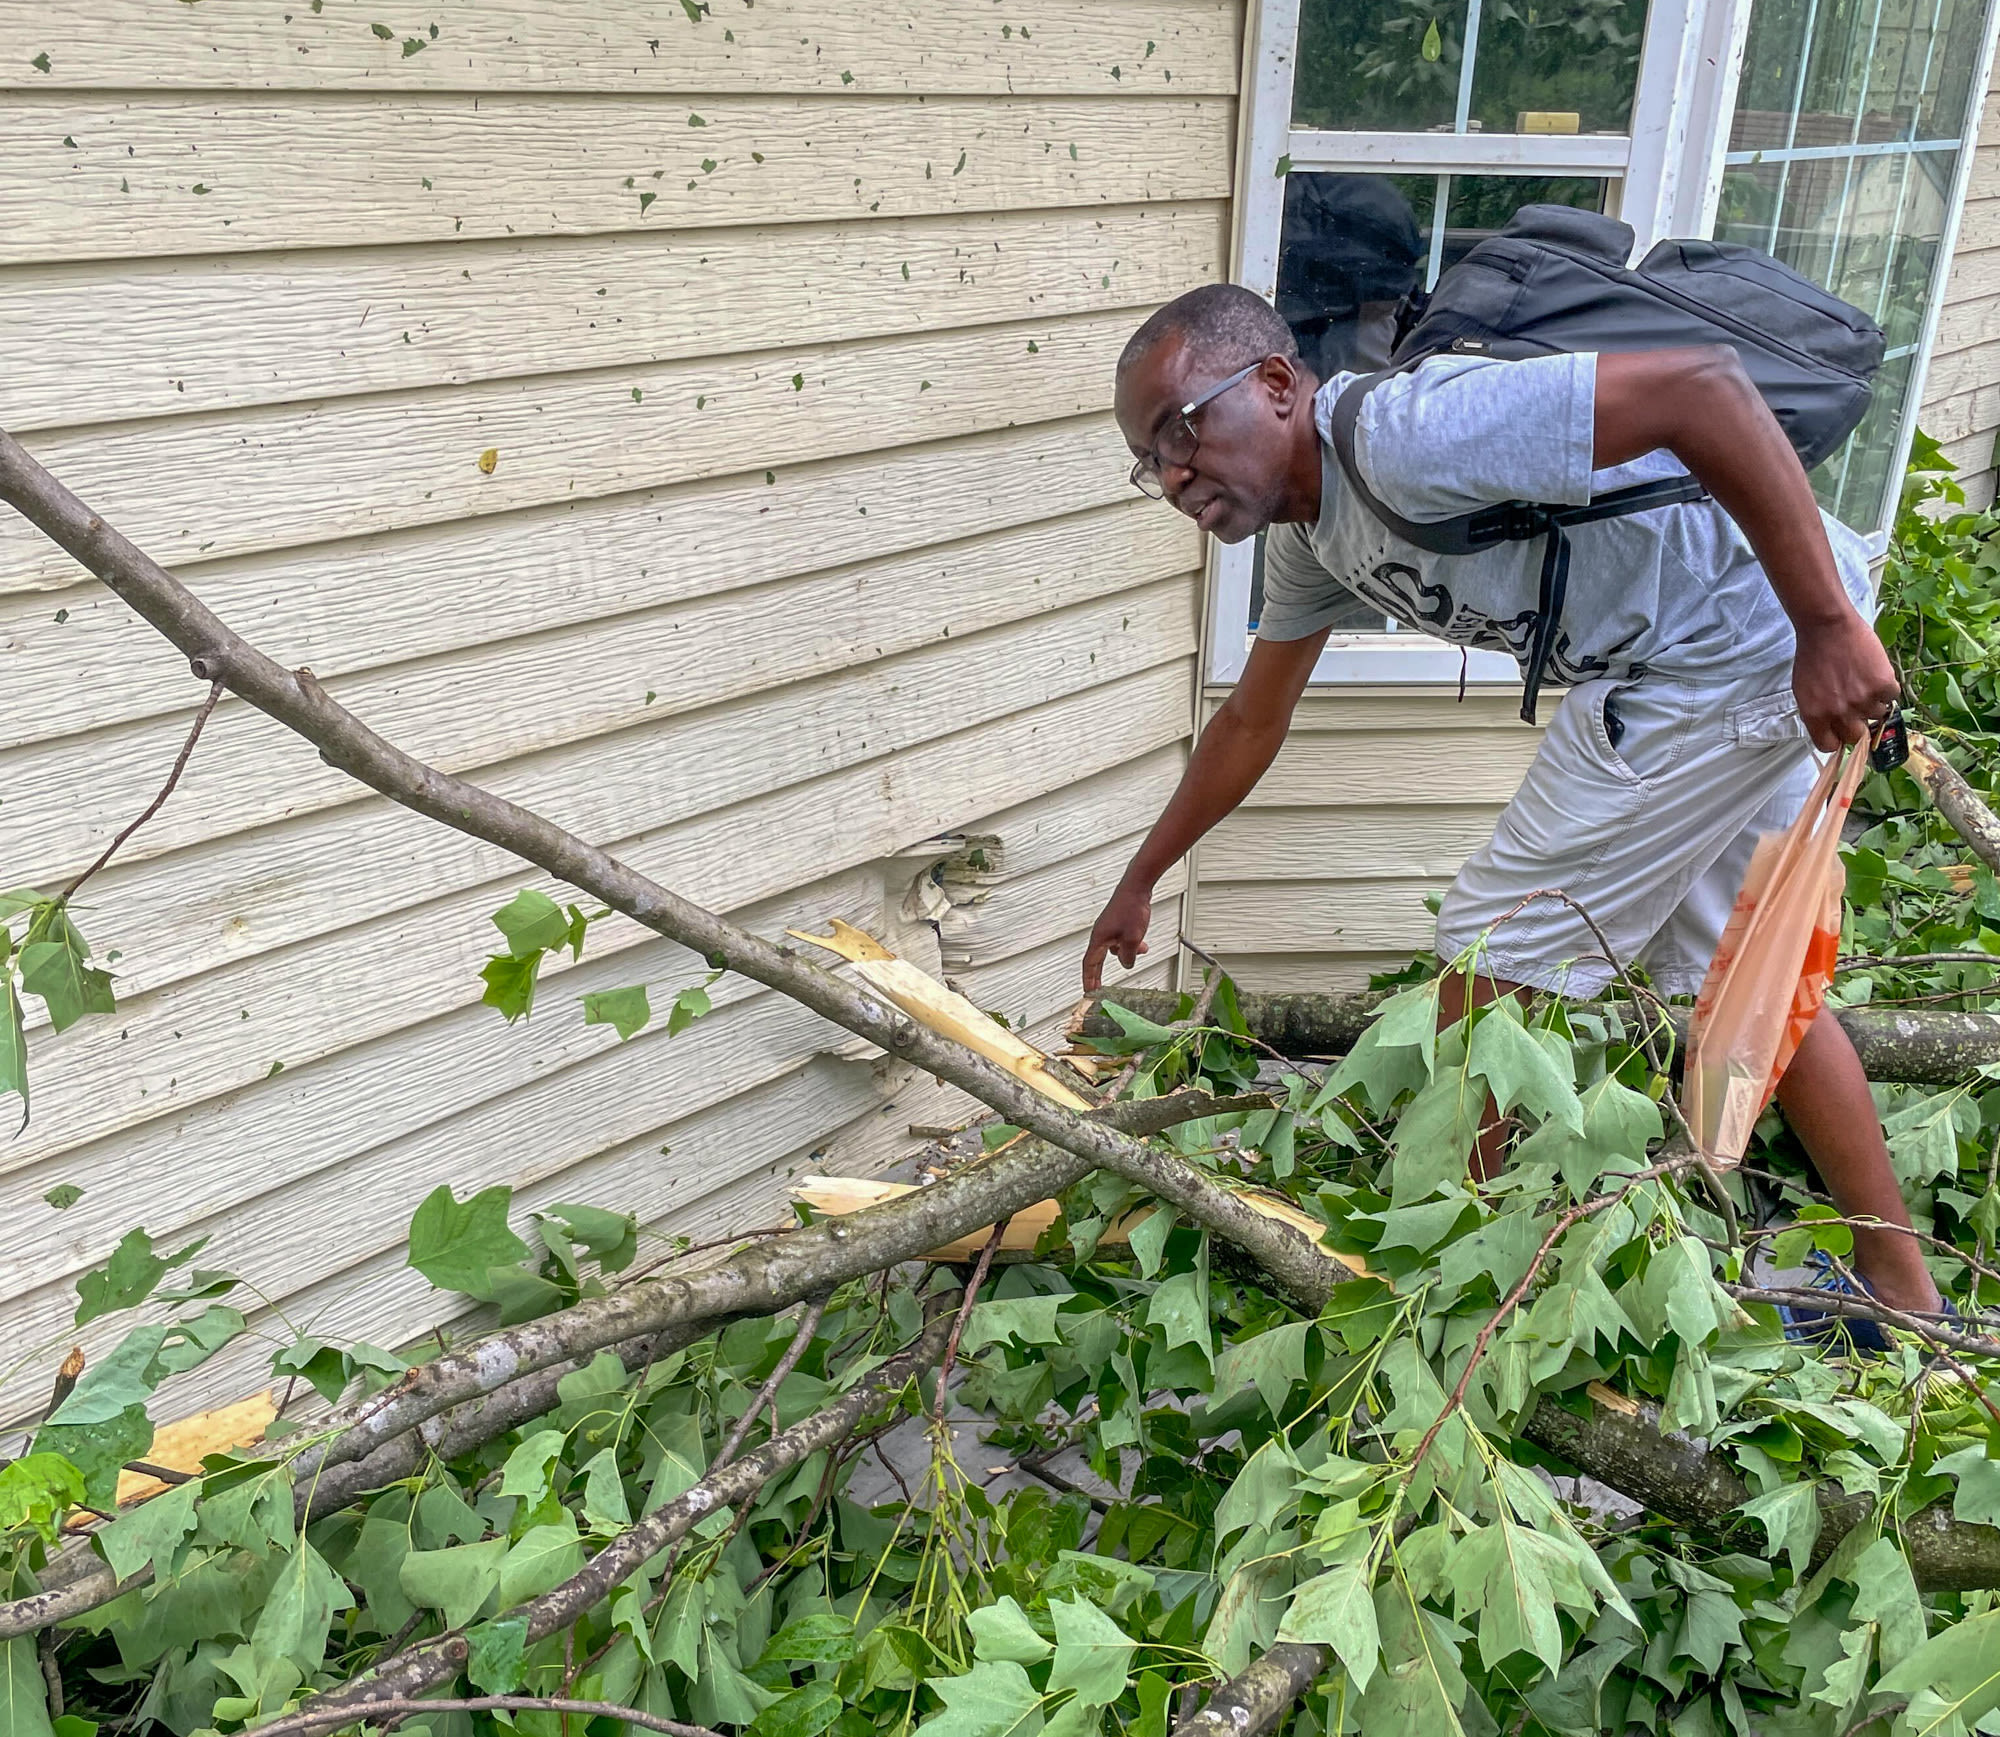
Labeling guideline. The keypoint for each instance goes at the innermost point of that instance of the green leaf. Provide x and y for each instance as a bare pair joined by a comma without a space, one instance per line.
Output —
496,1655
823,1638
125,1376
604,1505
510,984
526,1472
55,970
1148,1238
689,1005
1433,44
1618,1126
98,1450
1886,1595
1025,1320
1271,1362
1977,1498
1435,1136
24,1696
1337,1610
1002,1632
37,1490
532,923
1951,1681
64,1195
1790,1518
1519,1071
545,1557
805,1712
993,1699
151,1532
456,1581
1500,1583
626,1011
1419,1687
456,1245
13,1039
1180,1305
1093,1654
610,1238
123,1282
299,1610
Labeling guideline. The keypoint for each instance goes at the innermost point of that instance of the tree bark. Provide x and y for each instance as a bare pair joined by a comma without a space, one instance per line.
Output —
1261,1694
1957,801
1918,1048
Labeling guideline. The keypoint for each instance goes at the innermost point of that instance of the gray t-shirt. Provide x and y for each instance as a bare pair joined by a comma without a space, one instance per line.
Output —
1676,589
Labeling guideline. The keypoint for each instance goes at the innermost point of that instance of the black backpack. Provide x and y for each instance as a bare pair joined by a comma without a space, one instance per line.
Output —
1555,280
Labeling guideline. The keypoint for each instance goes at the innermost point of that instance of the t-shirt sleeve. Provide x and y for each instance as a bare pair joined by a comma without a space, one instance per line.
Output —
1461,432
1300,595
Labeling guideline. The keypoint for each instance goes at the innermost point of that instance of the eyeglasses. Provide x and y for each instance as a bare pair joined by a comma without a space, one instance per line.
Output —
1177,440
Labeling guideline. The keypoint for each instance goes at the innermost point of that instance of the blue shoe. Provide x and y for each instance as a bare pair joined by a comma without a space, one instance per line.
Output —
1816,1326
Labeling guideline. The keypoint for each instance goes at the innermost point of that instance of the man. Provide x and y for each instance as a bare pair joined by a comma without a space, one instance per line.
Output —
1708,650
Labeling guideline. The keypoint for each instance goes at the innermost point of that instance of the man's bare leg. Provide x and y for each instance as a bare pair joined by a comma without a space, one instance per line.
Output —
1452,1005
1824,1095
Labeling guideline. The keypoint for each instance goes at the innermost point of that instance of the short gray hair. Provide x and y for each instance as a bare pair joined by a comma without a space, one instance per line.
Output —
1228,325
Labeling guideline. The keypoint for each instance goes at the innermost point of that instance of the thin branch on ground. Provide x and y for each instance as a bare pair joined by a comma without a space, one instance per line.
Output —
767,1395
167,789
1930,1328
408,1707
980,1269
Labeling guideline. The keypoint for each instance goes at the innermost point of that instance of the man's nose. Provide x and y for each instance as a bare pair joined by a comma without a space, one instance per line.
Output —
1174,479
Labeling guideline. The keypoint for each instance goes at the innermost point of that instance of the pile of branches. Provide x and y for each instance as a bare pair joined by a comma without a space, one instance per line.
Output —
1320,1492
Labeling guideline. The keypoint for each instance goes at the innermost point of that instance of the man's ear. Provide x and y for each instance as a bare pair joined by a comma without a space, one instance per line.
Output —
1284,382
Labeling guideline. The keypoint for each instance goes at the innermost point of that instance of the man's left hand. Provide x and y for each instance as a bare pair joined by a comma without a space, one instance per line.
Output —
1843,681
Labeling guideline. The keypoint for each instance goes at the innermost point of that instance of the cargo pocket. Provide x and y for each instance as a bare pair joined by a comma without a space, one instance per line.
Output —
1767,720
1605,725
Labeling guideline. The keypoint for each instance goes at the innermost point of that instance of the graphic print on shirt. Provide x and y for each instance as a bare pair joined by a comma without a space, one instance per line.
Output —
1401,592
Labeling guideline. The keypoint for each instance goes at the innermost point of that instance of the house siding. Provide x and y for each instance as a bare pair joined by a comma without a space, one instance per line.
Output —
805,577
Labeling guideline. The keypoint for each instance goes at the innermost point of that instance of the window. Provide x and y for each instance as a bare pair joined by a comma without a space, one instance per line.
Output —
1384,138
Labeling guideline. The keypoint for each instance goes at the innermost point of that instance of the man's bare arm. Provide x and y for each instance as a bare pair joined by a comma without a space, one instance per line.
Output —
1700,405
1234,751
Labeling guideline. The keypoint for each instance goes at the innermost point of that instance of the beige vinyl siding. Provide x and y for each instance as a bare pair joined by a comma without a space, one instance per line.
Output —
1961,406
807,578
1377,796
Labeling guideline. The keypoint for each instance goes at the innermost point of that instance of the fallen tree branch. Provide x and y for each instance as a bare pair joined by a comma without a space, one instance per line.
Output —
440,1660
1260,1694
1934,1048
386,1710
295,698
1956,800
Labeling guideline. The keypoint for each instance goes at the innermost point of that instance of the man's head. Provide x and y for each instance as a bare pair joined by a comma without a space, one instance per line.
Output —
1247,456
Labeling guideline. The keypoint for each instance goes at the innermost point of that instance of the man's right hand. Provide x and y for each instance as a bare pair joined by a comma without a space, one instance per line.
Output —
1121,929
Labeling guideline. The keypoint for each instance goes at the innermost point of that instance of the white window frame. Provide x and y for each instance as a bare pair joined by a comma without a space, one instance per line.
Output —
1665,179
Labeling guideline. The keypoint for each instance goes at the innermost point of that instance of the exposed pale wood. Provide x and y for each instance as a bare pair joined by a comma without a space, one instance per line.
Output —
181,1446
522,696
355,466
388,599
92,1081
959,46
1335,839
345,170
1453,767
174,336
1317,917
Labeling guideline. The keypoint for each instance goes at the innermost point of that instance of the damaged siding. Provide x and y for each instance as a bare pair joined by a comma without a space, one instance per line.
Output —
806,576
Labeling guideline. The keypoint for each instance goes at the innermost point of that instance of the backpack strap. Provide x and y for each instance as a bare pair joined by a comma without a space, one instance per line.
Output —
1503,522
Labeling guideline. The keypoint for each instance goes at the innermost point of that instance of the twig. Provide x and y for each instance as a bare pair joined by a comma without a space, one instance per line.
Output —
167,789
1864,1221
404,1707
1196,1017
980,1269
165,1474
809,1321
1895,961
1866,1309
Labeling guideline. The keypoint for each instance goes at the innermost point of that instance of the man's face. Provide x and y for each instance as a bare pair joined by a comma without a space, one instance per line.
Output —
1233,483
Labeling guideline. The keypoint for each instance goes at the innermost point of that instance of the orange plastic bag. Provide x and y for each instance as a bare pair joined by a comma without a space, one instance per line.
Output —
1771,971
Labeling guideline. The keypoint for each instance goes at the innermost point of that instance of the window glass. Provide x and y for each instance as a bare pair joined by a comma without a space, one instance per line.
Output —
1353,246
1403,66
1841,159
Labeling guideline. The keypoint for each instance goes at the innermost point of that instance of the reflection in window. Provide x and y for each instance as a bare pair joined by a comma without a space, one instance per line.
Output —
1841,159
1353,246
1404,66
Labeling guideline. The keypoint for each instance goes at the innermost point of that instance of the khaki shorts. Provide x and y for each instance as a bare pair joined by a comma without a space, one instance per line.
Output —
1652,836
